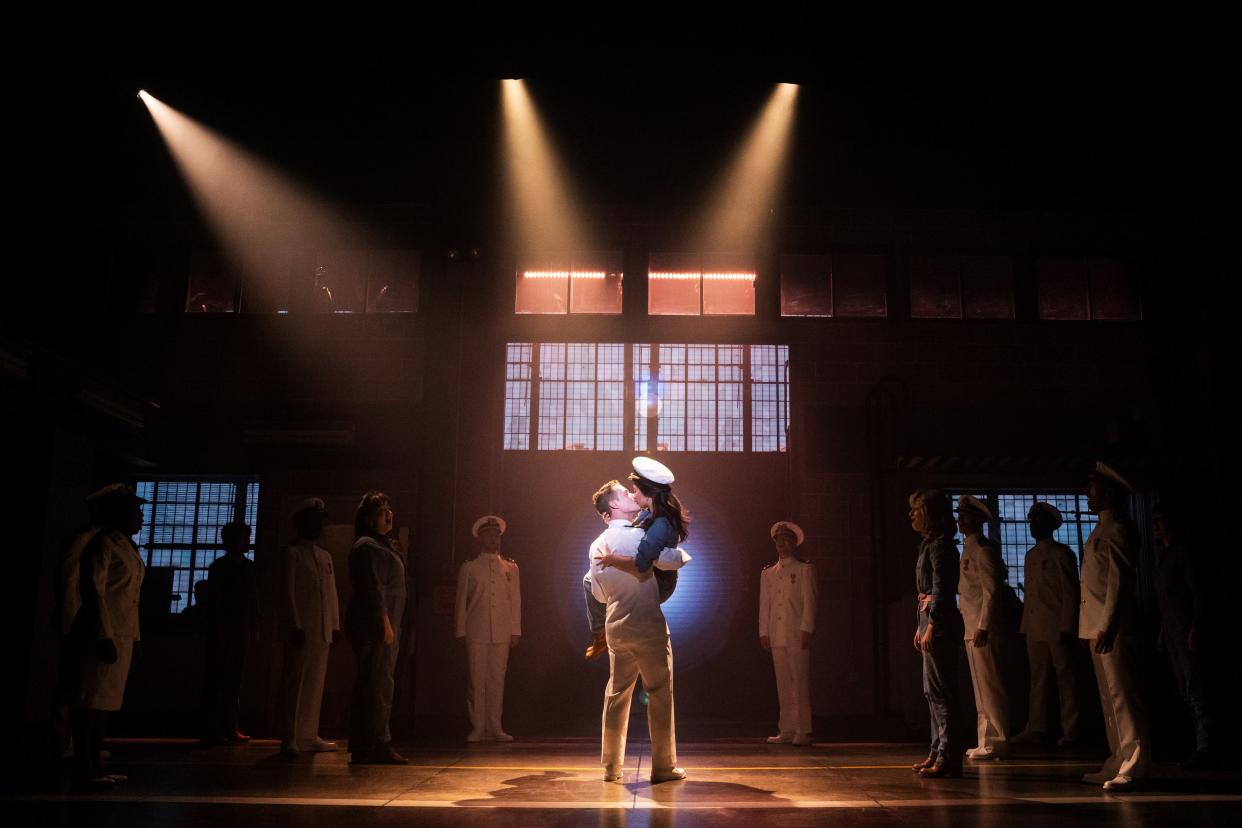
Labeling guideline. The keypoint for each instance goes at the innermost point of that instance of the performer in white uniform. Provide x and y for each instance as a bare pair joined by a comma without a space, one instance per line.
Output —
310,620
105,627
637,634
1106,621
979,584
787,602
1050,624
489,618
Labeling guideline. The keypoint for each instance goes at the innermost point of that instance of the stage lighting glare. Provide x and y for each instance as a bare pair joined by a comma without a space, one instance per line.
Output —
731,277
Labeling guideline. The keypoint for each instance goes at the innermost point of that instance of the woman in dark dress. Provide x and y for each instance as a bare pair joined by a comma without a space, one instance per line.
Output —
373,627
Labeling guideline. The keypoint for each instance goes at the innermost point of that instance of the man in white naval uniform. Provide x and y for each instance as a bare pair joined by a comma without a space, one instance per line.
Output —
787,602
638,640
1106,621
105,627
310,620
979,585
1050,624
489,618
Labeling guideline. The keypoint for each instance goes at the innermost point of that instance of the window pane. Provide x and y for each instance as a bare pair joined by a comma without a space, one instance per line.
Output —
340,281
213,284
392,281
543,286
858,285
267,279
806,286
1113,296
673,284
728,285
551,396
1063,289
769,404
987,287
595,283
645,406
935,287
517,396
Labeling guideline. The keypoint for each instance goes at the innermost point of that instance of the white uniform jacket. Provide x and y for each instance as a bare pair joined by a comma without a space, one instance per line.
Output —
979,582
633,604
116,573
1107,576
1050,591
788,595
308,583
489,600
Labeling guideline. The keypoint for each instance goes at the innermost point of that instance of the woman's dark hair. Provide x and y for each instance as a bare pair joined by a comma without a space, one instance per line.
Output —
368,508
665,504
939,510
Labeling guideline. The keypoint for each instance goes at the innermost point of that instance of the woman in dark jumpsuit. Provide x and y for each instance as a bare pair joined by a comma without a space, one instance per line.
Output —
939,634
373,626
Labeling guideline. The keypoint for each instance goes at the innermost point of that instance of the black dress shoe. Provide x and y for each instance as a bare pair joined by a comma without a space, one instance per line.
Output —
387,756
942,770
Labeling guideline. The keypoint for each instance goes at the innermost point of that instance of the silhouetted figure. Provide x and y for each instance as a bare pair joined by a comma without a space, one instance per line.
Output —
940,629
981,584
1180,594
373,626
1050,624
310,624
230,614
1106,620
194,617
105,628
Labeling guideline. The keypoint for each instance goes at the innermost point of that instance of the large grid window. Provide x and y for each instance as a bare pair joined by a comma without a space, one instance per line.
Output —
678,397
1015,538
181,527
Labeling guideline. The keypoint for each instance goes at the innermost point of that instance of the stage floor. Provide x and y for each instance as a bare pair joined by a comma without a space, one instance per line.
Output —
545,782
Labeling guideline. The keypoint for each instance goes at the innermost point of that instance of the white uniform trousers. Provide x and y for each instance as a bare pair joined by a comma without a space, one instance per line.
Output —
486,694
102,686
1124,716
1060,657
301,691
793,688
991,700
654,662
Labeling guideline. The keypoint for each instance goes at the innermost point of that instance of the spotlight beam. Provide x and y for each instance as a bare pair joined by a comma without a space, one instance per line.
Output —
739,212
542,212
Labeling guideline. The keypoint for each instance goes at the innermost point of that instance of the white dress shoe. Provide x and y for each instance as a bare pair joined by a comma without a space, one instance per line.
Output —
320,746
1121,783
780,739
1097,778
801,739
501,736
475,736
668,775
612,775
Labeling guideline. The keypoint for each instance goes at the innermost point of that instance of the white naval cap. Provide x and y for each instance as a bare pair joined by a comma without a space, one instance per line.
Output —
1053,513
974,504
1104,470
653,471
114,490
489,522
788,526
315,503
